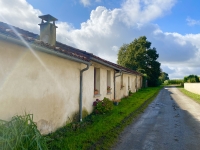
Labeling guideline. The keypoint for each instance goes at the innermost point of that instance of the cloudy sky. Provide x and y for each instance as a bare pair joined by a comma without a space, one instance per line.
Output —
102,26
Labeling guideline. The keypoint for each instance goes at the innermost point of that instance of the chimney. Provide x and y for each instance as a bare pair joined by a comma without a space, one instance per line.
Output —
48,29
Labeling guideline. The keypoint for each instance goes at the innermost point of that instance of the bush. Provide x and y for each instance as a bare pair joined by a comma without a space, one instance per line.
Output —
21,133
101,107
191,79
166,82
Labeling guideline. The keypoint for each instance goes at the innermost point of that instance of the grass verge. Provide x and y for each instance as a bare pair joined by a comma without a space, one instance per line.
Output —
193,96
101,131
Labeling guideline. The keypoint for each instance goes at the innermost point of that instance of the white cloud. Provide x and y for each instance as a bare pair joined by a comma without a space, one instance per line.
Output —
88,2
20,14
85,2
144,11
179,71
106,30
192,22
173,47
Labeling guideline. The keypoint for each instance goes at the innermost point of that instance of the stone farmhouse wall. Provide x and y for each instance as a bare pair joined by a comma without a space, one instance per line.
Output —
192,87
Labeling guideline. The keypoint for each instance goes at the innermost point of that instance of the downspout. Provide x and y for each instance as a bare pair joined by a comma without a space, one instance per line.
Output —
136,83
114,81
81,85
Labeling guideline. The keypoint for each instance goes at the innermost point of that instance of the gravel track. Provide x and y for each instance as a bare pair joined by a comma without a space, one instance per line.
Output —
171,122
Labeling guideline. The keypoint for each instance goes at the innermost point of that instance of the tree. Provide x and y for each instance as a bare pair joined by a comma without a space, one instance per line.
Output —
163,77
191,79
139,56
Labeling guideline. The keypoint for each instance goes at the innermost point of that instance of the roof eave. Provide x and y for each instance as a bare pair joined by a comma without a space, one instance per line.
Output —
103,63
40,48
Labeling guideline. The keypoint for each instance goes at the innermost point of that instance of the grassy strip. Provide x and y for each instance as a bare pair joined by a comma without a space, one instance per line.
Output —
193,96
101,131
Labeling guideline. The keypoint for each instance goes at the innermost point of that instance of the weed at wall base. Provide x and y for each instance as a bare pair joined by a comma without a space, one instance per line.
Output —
21,133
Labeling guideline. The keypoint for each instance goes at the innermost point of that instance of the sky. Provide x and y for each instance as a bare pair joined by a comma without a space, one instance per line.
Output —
101,27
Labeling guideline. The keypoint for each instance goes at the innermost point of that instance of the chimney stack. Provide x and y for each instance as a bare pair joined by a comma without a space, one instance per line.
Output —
48,29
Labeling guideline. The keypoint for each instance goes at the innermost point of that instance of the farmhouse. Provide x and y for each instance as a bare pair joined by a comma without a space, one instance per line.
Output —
53,81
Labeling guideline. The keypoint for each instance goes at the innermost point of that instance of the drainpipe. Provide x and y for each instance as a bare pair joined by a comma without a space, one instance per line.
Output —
114,81
136,83
81,84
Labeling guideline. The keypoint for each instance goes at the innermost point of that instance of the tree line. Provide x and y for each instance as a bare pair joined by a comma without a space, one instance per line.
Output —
187,79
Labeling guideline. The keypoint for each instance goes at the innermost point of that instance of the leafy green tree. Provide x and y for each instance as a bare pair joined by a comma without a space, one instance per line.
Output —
163,77
139,56
191,79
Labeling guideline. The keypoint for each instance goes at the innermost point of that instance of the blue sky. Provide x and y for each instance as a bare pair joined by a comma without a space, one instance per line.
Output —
74,12
176,20
102,26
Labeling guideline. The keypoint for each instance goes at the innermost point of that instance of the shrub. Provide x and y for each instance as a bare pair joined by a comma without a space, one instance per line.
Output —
191,79
21,133
166,82
101,107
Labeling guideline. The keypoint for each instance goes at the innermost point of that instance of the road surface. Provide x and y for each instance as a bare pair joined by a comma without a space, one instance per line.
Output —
171,122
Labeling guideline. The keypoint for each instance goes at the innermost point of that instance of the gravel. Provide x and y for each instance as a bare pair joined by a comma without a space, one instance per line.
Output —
171,122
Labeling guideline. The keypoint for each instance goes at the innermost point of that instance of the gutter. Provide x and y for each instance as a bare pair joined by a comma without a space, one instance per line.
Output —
114,81
81,90
51,51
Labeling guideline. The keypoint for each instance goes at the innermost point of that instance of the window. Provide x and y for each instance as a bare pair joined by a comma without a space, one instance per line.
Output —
108,81
97,80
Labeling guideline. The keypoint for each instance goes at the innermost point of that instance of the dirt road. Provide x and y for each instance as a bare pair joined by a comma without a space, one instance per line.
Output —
171,122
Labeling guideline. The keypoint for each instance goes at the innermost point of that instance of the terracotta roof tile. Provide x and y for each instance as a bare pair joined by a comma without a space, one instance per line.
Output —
34,38
117,66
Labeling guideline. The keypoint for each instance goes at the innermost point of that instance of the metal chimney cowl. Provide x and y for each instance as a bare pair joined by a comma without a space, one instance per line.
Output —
48,29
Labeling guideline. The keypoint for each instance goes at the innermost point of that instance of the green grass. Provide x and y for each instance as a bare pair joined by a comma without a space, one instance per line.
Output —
193,96
101,131
21,133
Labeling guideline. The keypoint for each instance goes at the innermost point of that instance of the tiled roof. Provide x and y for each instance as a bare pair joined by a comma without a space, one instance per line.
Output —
34,38
117,66
62,48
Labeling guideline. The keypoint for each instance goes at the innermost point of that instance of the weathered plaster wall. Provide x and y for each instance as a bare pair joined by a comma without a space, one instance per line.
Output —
88,89
139,82
48,86
124,91
118,87
41,84
103,82
133,83
192,87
